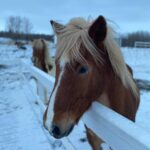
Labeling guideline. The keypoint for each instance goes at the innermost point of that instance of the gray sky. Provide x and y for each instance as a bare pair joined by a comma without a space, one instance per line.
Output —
129,15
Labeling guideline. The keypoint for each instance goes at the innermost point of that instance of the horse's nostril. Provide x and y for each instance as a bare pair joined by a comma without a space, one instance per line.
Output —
56,131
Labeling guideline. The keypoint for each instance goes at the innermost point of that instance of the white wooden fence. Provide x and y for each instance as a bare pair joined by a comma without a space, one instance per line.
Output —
114,129
139,44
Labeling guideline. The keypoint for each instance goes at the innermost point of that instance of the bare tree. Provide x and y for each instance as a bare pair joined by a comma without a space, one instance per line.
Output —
16,24
10,24
27,26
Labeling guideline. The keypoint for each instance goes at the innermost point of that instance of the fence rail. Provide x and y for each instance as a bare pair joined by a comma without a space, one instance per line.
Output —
139,44
117,131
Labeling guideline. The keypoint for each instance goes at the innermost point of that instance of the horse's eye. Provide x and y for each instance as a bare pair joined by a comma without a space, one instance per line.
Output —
83,69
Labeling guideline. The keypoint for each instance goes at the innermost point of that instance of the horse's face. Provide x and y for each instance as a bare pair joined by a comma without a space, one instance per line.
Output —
76,86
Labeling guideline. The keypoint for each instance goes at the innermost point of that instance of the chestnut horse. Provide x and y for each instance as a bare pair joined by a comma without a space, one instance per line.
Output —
89,67
40,56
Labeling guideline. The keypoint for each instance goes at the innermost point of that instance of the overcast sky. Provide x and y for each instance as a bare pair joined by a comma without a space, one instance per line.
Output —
129,15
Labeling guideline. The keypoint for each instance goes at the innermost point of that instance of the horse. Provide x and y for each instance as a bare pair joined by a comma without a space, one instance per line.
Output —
89,67
41,59
40,55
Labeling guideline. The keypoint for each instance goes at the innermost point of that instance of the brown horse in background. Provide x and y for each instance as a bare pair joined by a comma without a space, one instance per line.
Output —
40,57
42,60
89,67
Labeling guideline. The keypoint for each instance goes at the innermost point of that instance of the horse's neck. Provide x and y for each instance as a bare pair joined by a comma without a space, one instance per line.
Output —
110,94
103,99
118,98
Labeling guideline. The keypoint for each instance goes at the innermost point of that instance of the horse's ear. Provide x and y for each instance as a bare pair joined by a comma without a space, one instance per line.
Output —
98,30
57,27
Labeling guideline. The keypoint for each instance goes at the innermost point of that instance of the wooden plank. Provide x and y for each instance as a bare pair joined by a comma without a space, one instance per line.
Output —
117,131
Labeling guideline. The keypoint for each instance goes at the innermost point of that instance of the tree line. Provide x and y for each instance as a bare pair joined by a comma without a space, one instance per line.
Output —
26,37
20,28
129,39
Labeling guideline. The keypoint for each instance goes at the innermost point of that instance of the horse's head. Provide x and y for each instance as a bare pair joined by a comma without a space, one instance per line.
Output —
80,73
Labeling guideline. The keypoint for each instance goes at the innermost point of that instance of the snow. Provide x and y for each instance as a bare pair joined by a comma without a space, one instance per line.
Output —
5,40
139,60
20,116
19,128
21,125
143,114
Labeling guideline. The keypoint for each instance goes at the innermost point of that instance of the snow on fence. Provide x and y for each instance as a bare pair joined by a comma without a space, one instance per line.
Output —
139,44
117,131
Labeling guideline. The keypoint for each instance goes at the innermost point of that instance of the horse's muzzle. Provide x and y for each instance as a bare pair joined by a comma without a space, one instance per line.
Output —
57,133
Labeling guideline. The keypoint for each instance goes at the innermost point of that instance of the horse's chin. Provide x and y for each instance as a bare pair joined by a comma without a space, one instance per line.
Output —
57,136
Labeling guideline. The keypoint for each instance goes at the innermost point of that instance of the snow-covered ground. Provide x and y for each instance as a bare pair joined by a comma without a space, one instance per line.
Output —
5,40
139,60
20,116
19,127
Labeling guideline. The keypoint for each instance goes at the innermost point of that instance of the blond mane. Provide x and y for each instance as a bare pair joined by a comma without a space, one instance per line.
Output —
75,33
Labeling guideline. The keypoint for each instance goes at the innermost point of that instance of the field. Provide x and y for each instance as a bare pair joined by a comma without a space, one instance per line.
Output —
11,83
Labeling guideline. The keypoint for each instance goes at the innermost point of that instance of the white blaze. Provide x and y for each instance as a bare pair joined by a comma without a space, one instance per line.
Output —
50,110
